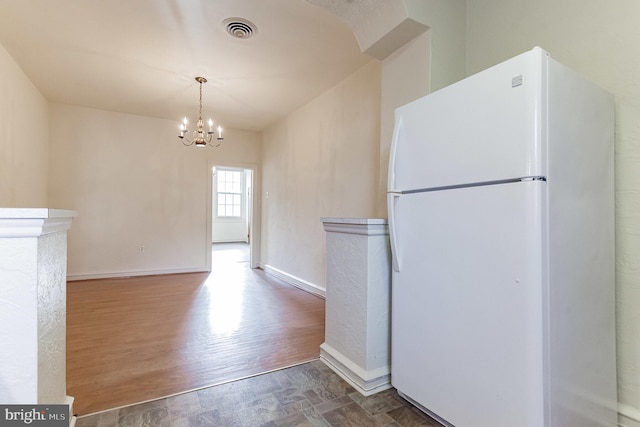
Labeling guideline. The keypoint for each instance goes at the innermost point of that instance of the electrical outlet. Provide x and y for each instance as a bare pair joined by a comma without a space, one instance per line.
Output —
141,248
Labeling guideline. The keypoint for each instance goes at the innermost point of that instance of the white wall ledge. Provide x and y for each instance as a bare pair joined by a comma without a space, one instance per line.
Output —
21,222
362,226
34,213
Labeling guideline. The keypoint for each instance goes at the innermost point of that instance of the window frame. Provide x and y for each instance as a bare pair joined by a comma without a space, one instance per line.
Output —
220,172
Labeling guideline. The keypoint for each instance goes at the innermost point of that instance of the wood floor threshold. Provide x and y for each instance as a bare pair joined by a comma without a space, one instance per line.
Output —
200,388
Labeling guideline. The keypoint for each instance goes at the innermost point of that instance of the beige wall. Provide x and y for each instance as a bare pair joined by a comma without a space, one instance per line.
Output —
600,39
405,78
24,152
321,160
429,62
446,20
134,184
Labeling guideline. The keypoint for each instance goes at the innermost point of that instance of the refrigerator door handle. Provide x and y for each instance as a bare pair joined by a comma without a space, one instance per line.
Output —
391,180
391,205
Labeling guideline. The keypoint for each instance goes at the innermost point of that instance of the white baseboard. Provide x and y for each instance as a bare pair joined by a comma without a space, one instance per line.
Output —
122,274
293,280
367,382
628,416
69,401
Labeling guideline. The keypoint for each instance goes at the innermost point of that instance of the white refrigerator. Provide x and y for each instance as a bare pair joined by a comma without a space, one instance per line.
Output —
501,217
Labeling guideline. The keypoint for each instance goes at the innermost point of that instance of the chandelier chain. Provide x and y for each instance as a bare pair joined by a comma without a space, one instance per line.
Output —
200,110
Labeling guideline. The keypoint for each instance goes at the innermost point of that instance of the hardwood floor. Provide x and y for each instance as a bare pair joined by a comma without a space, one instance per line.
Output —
141,338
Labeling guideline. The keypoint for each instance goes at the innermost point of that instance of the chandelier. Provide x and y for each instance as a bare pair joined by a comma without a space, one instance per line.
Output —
199,136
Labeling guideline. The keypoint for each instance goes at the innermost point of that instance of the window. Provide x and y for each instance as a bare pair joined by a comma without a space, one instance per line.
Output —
229,191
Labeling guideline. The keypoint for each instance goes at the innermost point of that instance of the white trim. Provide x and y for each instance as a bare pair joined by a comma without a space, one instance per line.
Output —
629,416
56,225
68,400
354,221
123,274
17,222
366,382
28,213
293,280
361,226
32,227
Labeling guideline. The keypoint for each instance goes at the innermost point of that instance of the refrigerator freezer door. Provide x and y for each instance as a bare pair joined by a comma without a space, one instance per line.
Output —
467,304
484,128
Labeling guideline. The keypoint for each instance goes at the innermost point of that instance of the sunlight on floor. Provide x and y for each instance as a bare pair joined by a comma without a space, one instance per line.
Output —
226,254
226,305
226,302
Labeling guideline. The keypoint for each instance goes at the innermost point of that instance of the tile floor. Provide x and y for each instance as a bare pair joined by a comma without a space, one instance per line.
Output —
305,395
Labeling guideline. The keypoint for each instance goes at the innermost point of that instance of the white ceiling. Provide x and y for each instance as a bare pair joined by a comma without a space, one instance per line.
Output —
141,56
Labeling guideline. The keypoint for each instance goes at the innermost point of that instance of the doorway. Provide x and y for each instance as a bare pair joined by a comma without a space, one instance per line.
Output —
231,199
231,206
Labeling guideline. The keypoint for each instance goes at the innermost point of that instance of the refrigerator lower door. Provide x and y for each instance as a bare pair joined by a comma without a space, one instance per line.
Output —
467,303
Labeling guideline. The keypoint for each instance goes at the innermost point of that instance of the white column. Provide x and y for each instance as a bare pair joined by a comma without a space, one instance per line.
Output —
33,270
357,324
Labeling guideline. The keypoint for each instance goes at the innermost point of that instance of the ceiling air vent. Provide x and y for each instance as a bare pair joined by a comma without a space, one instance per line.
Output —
240,28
